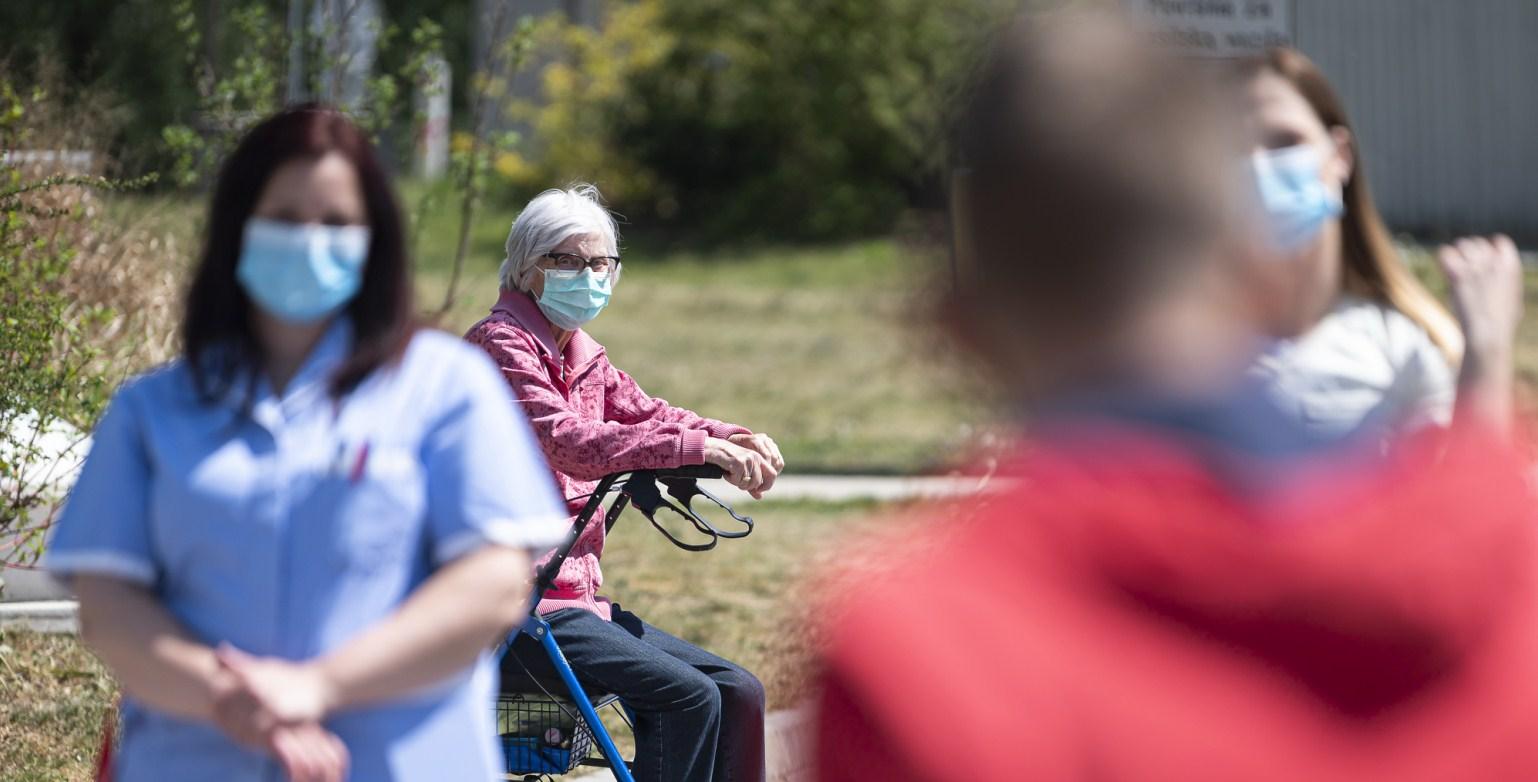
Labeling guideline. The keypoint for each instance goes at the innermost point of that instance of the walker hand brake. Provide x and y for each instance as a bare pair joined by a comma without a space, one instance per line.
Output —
686,489
641,487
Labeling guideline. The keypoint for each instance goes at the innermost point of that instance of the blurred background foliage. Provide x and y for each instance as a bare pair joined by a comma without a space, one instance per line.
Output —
773,162
704,120
781,119
83,296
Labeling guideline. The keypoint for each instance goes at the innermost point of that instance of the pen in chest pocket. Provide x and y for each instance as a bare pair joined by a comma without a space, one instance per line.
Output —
351,460
360,464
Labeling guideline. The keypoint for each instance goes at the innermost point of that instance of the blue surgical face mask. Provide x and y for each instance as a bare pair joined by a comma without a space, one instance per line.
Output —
301,272
571,299
1296,200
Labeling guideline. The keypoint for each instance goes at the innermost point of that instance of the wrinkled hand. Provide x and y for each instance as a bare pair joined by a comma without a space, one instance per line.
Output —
764,445
277,706
1485,278
746,469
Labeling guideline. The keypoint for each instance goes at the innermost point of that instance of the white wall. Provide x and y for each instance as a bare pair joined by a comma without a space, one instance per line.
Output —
1444,94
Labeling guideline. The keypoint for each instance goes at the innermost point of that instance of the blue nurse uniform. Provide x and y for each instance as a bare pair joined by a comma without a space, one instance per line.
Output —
287,525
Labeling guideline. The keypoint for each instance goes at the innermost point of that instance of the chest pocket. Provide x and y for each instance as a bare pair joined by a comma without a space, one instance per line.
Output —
589,397
380,507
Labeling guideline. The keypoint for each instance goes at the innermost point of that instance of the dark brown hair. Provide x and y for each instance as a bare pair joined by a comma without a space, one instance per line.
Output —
1371,266
1100,168
218,342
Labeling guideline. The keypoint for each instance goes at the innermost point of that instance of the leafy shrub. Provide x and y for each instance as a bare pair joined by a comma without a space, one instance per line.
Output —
83,300
799,119
250,82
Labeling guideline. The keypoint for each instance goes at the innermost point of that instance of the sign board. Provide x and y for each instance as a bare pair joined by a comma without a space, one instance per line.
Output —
1218,28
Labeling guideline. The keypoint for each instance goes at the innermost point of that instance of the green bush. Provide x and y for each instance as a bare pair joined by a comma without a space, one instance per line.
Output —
131,50
201,68
783,119
55,347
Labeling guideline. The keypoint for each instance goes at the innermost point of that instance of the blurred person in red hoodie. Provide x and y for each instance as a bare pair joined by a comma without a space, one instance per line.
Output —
1180,582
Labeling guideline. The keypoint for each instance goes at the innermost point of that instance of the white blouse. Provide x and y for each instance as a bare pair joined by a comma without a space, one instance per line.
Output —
1365,369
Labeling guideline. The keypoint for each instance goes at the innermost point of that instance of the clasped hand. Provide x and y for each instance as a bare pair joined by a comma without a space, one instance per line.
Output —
277,706
751,461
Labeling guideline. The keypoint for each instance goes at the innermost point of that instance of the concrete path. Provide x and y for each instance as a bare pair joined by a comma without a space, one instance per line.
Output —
28,586
41,616
846,488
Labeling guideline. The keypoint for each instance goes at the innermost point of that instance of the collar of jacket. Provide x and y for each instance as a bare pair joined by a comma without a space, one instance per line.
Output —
581,350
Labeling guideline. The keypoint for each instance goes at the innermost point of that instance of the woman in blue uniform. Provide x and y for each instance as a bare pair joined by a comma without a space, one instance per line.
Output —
294,544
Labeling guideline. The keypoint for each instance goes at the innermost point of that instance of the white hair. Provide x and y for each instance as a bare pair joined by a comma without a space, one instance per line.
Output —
551,218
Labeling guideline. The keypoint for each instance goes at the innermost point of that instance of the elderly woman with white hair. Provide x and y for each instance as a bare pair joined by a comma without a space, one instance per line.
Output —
698,716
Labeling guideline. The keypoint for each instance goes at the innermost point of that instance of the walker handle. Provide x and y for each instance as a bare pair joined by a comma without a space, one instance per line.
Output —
636,482
704,472
641,488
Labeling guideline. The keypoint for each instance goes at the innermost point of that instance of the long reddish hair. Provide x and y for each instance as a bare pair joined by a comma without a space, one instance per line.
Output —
1372,266
217,337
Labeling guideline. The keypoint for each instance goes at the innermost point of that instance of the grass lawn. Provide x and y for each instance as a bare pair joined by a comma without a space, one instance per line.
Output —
740,600
822,347
825,347
743,599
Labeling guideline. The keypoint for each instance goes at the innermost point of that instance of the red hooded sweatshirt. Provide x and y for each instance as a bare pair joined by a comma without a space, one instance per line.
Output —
1127,612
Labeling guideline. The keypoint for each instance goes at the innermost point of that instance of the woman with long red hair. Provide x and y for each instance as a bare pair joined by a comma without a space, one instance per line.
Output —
294,544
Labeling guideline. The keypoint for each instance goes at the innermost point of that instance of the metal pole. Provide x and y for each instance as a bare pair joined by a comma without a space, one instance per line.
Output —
296,31
540,629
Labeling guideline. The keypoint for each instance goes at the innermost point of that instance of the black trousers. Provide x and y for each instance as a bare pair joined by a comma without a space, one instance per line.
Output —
698,717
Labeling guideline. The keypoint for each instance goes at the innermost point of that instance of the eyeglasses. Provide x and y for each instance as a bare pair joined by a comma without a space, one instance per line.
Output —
568,262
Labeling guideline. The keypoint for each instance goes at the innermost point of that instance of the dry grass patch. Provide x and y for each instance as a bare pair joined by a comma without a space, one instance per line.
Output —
53,695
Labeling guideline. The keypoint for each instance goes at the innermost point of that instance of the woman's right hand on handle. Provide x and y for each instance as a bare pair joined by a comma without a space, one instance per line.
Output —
746,469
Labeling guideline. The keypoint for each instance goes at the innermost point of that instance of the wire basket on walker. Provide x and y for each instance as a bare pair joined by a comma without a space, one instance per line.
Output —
542,734
546,723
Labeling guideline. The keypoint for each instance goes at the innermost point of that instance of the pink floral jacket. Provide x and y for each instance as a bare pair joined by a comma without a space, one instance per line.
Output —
591,419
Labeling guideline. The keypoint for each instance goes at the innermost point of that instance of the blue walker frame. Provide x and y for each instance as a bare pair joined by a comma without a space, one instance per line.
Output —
640,488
